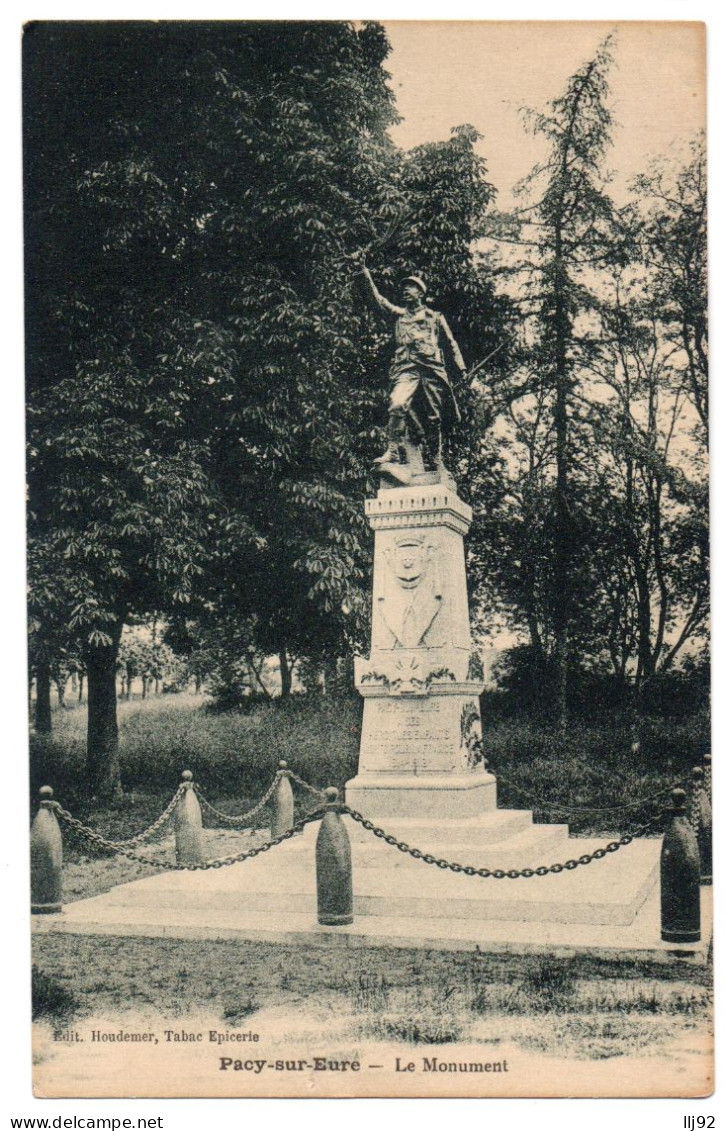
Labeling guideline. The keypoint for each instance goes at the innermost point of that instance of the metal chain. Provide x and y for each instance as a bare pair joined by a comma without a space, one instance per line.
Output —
158,824
498,873
240,818
541,803
224,860
120,848
305,784
100,842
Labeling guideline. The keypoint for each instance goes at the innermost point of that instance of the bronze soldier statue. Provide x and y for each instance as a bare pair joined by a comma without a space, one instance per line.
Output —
421,403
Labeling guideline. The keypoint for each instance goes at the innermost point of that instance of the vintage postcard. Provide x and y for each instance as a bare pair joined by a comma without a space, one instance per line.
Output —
369,680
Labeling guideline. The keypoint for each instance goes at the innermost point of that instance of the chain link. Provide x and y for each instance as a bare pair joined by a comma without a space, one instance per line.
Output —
222,862
100,842
94,838
157,825
498,873
163,819
305,784
240,818
542,803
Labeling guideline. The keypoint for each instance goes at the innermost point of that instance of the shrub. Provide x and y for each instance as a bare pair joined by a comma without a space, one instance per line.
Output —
235,753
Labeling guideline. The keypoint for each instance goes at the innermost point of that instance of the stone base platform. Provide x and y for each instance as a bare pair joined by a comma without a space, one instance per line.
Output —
639,941
608,891
611,904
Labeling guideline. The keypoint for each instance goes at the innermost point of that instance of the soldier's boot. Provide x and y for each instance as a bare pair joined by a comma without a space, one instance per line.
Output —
432,449
395,451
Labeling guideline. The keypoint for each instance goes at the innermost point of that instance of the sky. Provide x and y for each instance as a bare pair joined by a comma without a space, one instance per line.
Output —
447,73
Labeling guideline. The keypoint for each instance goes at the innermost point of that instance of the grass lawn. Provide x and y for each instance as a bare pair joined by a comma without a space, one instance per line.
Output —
575,1008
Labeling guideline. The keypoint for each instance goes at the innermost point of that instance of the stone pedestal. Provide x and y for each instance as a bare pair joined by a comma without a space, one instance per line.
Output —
421,749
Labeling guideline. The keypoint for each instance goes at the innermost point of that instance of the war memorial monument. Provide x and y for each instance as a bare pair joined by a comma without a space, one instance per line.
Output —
422,786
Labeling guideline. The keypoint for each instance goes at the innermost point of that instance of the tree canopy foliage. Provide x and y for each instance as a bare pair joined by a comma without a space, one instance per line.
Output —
206,380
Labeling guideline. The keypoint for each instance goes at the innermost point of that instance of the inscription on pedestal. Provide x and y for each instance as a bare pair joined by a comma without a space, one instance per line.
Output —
410,737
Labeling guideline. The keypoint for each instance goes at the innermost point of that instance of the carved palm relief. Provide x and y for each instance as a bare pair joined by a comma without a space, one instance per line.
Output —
411,596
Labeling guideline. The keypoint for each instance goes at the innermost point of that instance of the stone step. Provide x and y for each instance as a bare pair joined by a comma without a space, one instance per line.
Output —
491,827
608,891
527,846
533,846
495,827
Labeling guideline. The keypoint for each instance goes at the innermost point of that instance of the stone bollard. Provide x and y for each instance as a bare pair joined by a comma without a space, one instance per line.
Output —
680,877
334,868
46,859
707,769
188,825
283,804
703,827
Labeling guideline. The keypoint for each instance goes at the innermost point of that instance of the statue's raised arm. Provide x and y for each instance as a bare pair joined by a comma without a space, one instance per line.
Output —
379,299
422,404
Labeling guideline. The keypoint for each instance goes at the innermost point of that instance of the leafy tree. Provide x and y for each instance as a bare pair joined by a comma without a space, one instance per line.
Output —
564,232
669,224
652,475
144,654
204,387
125,513
637,475
145,279
51,643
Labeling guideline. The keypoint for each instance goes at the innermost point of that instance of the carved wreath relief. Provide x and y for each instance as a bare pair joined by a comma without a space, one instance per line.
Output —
471,737
411,594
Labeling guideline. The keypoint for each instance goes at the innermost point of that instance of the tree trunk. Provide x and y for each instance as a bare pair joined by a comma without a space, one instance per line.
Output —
129,680
635,720
329,676
156,685
60,688
102,761
43,724
144,685
562,519
80,686
285,673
